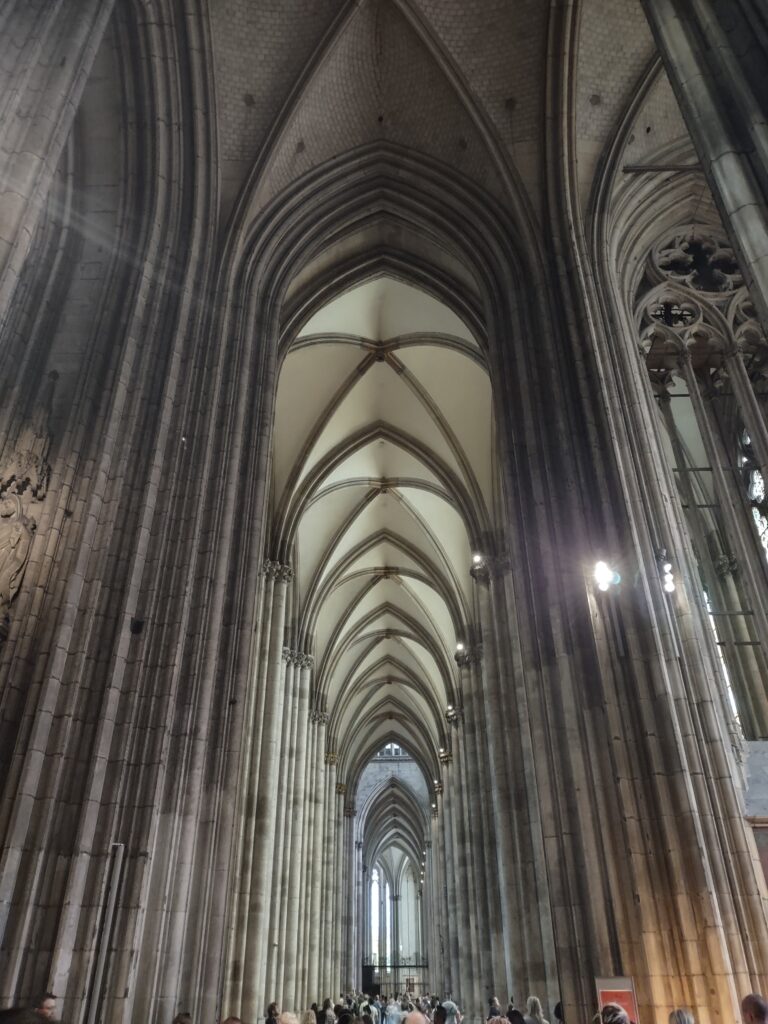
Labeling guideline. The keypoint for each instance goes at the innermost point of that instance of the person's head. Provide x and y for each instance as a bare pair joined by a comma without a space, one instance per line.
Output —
612,1013
534,1007
754,1009
288,1018
510,1007
327,1004
307,1017
493,1001
45,1005
514,1016
183,1018
558,1011
272,1010
440,1016
345,1017
681,1016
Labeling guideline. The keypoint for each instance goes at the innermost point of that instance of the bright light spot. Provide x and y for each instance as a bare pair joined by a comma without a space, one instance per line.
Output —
477,559
667,567
669,586
605,576
450,707
459,646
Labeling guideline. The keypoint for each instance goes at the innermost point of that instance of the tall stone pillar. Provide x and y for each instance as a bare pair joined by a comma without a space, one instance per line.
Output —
316,845
298,813
340,861
256,957
329,877
383,956
350,920
455,918
715,53
476,829
360,916
394,898
284,825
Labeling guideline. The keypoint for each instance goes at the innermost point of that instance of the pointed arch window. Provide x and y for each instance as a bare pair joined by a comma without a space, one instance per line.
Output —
756,490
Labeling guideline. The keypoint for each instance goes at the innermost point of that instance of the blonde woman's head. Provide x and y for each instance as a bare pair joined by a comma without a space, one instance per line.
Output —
534,1007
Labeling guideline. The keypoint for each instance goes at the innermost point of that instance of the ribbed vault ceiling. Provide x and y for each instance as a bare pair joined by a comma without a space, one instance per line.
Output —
383,488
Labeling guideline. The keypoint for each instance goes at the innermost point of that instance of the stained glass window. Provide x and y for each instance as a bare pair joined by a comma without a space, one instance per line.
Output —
755,490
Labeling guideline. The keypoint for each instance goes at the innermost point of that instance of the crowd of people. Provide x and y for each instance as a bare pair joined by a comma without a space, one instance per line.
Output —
360,1008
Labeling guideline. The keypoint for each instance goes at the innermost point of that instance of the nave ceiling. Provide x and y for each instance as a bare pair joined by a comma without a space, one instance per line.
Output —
383,492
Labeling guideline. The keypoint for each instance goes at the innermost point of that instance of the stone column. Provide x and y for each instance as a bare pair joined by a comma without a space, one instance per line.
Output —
455,923
349,901
477,829
316,842
255,717
394,898
383,958
329,876
336,892
433,921
298,812
360,916
531,959
419,950
265,810
283,851
715,53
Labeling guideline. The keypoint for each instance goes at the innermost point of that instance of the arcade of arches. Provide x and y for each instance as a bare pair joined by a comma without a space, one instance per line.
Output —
383,509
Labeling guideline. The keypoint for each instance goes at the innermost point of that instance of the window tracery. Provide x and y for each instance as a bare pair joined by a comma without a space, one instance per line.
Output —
704,347
755,488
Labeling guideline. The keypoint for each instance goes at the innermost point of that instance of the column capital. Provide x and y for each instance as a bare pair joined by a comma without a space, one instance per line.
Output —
331,757
294,657
726,565
341,788
445,757
454,716
471,655
277,571
349,810
491,567
318,717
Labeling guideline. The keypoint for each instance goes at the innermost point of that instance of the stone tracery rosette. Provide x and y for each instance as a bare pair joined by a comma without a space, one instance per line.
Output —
692,299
